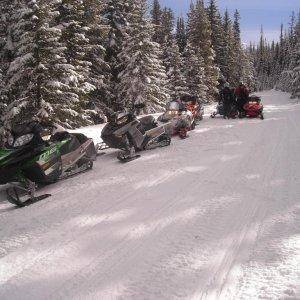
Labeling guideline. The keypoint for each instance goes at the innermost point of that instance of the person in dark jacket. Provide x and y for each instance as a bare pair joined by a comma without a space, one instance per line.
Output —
242,95
227,98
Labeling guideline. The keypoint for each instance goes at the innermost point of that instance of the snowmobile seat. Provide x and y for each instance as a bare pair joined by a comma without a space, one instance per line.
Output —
72,144
80,137
60,136
147,123
254,99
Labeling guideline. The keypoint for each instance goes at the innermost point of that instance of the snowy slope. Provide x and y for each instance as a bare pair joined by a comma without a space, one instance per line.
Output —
215,216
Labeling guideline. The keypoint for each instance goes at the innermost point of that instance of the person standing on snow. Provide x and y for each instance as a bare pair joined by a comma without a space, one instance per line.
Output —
227,97
242,95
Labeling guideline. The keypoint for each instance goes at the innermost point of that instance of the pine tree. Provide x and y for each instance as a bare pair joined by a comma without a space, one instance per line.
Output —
199,36
144,78
7,15
99,75
75,40
41,82
167,25
156,15
239,61
174,66
296,64
217,34
181,35
2,95
163,23
248,71
117,14
195,73
236,27
21,39
171,57
2,107
229,70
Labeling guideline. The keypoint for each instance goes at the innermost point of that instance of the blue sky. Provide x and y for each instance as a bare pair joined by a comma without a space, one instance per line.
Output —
254,13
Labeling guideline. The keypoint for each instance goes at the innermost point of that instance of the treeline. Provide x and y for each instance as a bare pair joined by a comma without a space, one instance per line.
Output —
66,60
277,64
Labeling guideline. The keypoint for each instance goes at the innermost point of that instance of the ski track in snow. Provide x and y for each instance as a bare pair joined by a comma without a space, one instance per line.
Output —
215,216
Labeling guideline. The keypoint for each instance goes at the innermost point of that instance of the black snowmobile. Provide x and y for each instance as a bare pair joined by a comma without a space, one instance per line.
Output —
28,162
221,111
126,132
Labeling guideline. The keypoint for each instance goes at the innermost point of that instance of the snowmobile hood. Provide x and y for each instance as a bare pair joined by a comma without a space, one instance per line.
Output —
12,156
4,153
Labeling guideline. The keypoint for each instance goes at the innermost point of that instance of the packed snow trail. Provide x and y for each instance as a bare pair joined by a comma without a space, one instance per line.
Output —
215,216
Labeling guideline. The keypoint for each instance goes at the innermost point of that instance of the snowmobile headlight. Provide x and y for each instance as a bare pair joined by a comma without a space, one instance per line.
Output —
122,120
173,112
23,140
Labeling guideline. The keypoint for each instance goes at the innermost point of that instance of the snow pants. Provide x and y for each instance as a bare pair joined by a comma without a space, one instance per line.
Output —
240,106
227,106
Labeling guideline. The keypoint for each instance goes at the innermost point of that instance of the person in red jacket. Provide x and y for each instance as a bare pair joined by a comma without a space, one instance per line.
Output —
242,96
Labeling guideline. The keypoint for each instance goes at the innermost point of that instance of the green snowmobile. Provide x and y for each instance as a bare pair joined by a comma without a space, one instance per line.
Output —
28,162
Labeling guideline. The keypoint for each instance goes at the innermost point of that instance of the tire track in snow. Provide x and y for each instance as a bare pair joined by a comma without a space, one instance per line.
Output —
132,250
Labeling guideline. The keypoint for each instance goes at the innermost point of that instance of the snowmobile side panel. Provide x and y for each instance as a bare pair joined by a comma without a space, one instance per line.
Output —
45,168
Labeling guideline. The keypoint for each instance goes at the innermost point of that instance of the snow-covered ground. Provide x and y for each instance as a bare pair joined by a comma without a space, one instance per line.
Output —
215,216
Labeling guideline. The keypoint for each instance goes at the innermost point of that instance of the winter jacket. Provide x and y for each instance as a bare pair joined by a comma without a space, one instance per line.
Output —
227,95
242,93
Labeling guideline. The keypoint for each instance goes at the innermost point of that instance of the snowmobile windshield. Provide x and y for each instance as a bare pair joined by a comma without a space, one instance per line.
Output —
173,106
122,120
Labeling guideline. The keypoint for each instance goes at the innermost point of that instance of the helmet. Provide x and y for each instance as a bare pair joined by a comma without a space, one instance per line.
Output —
227,85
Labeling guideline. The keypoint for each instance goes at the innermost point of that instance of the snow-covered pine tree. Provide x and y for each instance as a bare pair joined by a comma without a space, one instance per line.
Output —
276,63
195,73
99,75
296,64
40,80
144,77
6,47
77,45
171,56
199,36
181,35
228,67
6,12
3,101
239,61
173,63
248,71
236,26
217,34
163,23
117,14
261,60
156,16
2,107
167,25
21,46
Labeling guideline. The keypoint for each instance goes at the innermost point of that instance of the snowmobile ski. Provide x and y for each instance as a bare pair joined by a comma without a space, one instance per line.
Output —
100,147
128,159
160,141
15,198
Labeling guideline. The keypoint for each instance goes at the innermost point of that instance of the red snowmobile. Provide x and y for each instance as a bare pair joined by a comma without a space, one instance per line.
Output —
178,119
192,105
253,108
